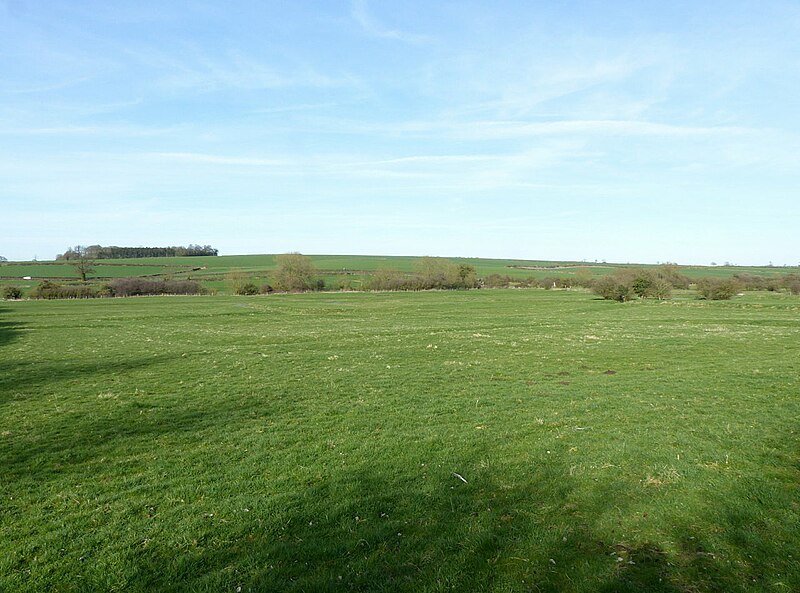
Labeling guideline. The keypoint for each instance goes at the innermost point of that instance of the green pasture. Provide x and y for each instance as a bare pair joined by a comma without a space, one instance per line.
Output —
215,272
103,269
494,440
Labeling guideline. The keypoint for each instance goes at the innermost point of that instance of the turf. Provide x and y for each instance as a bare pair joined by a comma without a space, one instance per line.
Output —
506,440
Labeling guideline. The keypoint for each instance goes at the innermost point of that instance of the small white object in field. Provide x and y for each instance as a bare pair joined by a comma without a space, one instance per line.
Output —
26,278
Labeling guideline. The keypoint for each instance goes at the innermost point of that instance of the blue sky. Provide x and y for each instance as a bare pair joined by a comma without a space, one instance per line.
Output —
618,131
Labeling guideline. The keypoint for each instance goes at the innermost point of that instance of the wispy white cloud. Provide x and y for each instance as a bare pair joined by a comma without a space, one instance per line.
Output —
192,68
90,130
499,129
26,89
216,159
360,13
512,129
298,107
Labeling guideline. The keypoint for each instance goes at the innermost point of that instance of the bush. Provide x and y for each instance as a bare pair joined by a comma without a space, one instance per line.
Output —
551,282
792,283
11,293
661,289
642,282
146,286
627,284
384,279
497,281
649,284
295,273
51,290
718,289
614,288
670,274
246,289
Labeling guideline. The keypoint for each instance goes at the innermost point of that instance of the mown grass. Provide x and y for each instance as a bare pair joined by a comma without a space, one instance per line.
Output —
318,443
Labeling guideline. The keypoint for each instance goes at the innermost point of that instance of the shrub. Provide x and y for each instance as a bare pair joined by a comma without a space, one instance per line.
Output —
718,289
11,293
105,290
627,284
647,283
267,289
551,282
670,273
614,288
295,273
792,283
146,286
497,281
246,289
467,276
661,289
436,272
642,282
51,290
385,279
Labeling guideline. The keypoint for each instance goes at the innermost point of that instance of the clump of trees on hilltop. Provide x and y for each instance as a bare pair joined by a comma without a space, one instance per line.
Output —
114,252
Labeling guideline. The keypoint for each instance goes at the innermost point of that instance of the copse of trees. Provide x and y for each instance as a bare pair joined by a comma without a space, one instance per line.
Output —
115,252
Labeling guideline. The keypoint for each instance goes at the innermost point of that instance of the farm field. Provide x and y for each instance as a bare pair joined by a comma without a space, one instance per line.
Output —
491,440
215,272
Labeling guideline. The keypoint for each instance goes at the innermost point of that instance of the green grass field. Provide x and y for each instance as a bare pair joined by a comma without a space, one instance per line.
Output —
495,440
215,272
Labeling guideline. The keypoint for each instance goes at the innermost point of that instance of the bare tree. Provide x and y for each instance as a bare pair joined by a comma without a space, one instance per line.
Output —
84,265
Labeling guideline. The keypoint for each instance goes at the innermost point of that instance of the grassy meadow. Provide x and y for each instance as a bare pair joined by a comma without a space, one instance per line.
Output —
493,440
215,273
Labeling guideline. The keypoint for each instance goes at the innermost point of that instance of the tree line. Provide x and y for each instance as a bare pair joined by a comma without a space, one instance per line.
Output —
115,252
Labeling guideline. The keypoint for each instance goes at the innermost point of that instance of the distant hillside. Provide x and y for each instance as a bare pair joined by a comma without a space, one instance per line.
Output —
216,272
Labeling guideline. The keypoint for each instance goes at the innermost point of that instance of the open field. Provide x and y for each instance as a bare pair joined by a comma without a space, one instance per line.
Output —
214,272
493,440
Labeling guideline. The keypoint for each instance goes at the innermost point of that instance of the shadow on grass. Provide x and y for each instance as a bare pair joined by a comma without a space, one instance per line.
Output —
67,434
384,526
8,329
18,378
373,530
